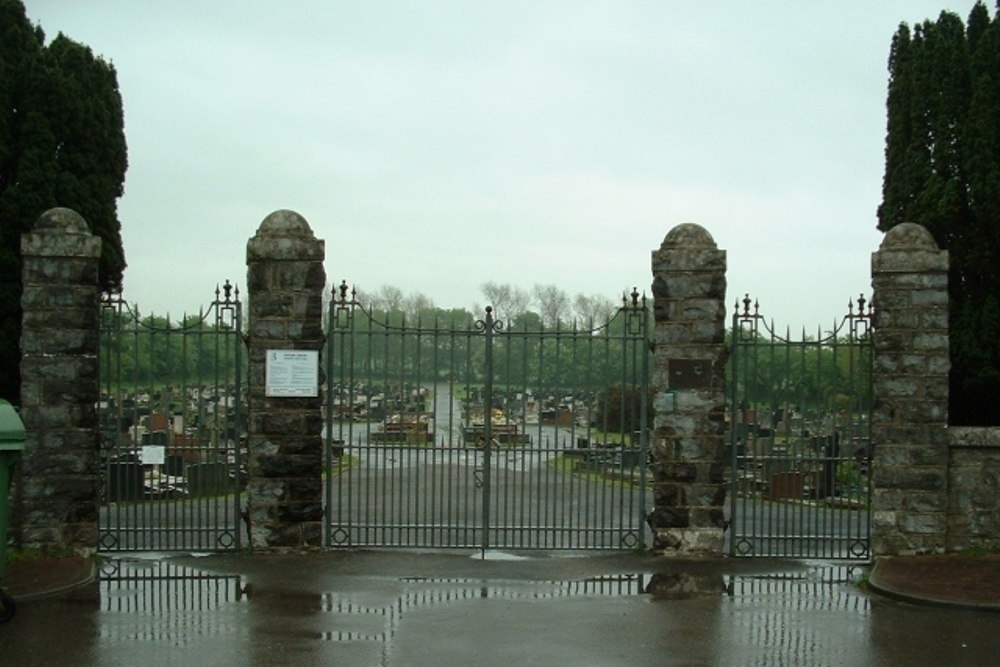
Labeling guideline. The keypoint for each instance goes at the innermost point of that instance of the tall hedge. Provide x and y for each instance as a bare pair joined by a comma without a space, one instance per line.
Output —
62,143
942,170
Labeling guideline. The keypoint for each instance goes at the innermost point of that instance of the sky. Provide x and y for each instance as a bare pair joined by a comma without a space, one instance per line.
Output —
436,146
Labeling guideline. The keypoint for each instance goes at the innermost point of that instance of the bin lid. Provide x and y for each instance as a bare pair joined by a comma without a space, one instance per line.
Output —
12,433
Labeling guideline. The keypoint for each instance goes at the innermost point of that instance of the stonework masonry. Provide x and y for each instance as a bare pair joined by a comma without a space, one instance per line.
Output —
935,488
285,280
910,415
57,485
973,495
688,446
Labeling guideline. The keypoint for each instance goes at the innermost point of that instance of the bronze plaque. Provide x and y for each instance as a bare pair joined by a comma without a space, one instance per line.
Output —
689,373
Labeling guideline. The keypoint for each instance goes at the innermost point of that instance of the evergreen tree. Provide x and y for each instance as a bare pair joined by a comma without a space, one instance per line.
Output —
942,170
62,143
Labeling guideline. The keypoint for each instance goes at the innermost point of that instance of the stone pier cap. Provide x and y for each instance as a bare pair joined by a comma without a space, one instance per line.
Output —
906,248
57,233
285,235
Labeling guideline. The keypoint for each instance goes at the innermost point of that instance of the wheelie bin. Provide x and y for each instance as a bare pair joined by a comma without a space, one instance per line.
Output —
11,445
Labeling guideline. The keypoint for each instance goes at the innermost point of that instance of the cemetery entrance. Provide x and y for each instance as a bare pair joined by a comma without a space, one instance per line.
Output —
172,428
486,434
800,448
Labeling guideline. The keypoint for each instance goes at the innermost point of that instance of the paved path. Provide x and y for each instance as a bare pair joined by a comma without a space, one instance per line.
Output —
406,608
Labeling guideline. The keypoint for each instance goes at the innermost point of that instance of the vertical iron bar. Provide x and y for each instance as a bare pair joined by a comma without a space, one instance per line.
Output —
753,367
644,350
332,385
529,454
734,460
472,502
488,430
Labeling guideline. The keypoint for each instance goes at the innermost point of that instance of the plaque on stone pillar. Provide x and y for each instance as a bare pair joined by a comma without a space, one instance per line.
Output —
689,373
292,373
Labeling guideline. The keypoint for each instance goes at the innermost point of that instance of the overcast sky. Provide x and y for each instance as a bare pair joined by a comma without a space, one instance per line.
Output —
435,146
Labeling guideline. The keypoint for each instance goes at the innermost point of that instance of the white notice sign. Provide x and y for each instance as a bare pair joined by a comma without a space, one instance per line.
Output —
292,373
153,455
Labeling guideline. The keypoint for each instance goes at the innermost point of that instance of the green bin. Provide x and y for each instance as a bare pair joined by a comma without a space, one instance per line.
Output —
11,445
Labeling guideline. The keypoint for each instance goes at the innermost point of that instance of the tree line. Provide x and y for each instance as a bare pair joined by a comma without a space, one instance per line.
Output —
391,340
817,377
148,353
542,306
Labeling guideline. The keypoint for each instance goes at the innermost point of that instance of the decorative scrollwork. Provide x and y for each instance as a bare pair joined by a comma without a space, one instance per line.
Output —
488,323
343,302
746,314
635,312
859,548
861,321
109,541
110,568
342,299
340,537
229,294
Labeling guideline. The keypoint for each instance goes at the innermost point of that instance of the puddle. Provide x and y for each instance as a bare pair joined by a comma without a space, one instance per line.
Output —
819,616
817,581
498,555
145,585
379,622
187,602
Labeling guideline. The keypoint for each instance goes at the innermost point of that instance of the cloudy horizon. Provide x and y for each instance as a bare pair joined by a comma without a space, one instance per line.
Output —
439,146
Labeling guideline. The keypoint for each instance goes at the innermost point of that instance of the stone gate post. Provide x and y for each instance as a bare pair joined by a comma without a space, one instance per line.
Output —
910,416
59,385
688,446
285,281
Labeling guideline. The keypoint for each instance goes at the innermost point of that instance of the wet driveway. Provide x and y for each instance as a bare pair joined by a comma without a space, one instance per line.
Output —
404,608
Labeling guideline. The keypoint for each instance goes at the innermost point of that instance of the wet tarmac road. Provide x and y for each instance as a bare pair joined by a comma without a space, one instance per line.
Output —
404,608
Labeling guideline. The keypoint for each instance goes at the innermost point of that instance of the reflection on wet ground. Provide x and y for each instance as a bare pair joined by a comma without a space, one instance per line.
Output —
429,593
140,585
406,609
791,617
136,586
135,592
193,598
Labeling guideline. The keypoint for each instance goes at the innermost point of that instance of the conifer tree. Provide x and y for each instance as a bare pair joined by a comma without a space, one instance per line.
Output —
942,170
62,143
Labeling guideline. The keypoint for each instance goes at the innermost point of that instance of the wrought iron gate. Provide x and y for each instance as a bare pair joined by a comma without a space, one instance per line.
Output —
485,434
172,426
800,438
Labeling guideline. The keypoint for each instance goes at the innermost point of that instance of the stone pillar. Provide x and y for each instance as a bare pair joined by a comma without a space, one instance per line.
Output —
688,444
285,280
974,488
910,416
59,385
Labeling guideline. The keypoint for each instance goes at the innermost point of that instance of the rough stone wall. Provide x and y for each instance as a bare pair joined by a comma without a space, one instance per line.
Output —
910,417
688,444
285,281
973,494
60,390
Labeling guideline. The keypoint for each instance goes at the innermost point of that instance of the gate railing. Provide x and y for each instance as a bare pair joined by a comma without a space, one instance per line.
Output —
172,427
486,434
800,446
